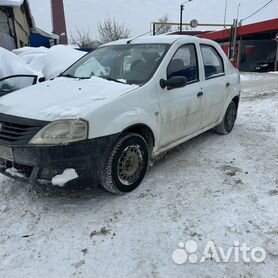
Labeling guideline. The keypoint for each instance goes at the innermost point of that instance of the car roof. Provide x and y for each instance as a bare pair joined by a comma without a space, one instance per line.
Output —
163,39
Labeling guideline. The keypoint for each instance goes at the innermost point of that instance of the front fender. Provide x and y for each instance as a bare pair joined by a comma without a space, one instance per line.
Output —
125,120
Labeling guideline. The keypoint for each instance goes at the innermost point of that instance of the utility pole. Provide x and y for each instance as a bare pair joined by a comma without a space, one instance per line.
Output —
225,13
239,53
234,39
276,60
235,36
181,12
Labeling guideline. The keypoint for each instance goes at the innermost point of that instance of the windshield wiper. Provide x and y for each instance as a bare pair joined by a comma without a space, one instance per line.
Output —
109,78
68,75
75,77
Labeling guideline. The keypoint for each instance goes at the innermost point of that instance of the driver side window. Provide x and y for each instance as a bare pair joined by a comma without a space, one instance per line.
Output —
185,64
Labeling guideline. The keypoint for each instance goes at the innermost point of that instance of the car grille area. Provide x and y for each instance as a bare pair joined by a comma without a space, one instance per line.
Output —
16,130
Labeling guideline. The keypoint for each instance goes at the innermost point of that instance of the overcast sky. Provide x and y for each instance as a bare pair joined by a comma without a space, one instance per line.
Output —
137,15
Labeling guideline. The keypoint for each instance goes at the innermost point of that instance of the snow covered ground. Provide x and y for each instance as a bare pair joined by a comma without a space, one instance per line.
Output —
220,188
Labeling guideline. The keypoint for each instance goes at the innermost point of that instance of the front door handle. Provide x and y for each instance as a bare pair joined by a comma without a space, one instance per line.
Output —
200,94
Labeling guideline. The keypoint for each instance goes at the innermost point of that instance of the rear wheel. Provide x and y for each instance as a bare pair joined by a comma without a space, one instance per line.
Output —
127,164
229,119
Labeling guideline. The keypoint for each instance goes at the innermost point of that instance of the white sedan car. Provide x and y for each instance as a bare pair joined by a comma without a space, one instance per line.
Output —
116,108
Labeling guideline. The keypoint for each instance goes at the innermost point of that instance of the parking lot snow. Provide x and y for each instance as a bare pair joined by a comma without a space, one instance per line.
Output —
219,188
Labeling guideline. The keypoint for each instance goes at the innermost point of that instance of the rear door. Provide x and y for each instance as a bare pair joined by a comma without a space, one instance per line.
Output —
216,85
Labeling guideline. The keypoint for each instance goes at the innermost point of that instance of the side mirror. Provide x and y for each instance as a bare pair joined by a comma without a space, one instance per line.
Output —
173,83
42,79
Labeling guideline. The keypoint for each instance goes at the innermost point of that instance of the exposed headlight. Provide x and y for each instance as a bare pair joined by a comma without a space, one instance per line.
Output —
61,132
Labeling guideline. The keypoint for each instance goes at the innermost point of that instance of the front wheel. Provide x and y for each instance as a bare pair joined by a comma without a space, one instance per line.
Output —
229,119
126,165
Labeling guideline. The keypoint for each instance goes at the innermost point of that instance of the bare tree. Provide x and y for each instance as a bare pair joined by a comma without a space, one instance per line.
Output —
83,39
162,29
111,30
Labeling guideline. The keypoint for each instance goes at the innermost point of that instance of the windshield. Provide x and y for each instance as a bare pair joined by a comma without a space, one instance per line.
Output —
130,63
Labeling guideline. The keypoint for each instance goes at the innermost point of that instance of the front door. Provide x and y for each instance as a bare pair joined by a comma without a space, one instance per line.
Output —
181,108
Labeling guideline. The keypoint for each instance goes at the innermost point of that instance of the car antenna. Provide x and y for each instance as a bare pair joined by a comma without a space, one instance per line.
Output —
132,39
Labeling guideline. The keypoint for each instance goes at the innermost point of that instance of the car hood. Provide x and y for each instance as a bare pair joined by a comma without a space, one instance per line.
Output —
62,98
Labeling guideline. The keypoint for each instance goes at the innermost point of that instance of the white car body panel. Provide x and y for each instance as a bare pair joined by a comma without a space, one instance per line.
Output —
173,116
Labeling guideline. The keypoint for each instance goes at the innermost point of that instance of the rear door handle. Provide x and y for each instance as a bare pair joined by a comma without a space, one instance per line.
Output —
200,94
228,85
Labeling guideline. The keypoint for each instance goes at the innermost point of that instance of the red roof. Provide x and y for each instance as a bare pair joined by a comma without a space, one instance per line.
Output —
255,28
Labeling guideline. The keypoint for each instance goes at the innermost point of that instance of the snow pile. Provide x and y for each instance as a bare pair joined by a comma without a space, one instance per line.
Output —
27,50
14,172
61,180
11,64
34,57
50,62
39,61
59,58
11,2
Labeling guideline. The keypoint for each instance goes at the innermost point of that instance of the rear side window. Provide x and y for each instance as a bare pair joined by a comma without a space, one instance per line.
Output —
213,62
184,63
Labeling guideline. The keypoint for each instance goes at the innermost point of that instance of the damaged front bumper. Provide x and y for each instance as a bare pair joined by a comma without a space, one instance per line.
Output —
40,164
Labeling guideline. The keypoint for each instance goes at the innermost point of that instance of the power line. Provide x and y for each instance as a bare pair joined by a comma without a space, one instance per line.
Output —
257,11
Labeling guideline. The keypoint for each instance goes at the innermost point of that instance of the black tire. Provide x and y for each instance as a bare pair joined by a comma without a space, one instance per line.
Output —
126,165
228,121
